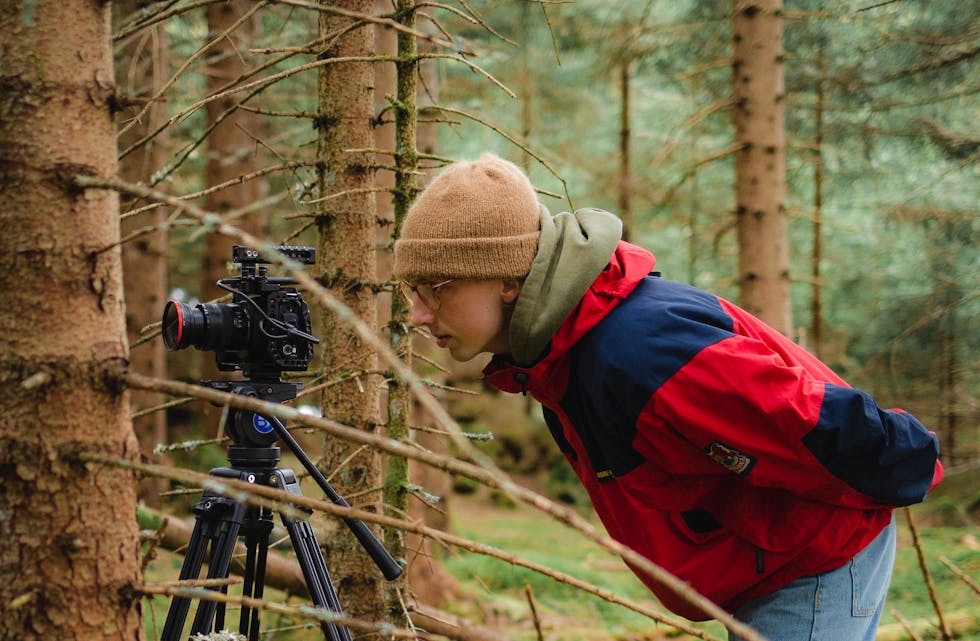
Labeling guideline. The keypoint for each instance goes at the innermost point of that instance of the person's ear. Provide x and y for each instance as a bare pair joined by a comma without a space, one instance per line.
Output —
509,291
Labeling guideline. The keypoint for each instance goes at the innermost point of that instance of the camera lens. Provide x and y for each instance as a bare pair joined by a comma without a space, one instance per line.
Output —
208,326
183,325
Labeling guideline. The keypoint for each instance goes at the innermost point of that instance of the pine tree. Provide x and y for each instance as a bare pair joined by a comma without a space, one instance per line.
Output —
70,554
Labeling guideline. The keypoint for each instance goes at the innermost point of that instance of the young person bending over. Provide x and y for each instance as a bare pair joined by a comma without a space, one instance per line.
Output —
707,441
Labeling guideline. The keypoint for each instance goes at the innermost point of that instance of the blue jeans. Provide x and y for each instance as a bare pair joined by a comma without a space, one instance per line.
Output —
841,605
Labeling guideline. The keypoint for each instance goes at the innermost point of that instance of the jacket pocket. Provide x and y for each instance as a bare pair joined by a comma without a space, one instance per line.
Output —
698,526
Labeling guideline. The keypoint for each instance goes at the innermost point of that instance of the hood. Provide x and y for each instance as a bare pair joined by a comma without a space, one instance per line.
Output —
572,249
617,278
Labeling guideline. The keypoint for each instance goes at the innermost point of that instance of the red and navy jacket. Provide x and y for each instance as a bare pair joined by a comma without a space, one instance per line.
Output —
714,445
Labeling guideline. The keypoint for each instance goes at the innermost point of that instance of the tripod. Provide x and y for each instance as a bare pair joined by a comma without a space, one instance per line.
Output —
220,520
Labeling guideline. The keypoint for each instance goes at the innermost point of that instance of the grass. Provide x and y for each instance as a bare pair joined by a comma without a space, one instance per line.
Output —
498,588
495,590
908,595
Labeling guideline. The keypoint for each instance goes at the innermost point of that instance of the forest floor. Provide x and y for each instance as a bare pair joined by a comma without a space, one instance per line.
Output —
495,594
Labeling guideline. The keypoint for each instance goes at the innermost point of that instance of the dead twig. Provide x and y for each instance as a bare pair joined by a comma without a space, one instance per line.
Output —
906,625
529,593
970,581
943,624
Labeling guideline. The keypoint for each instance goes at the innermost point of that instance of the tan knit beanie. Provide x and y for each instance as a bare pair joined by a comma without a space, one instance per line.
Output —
478,219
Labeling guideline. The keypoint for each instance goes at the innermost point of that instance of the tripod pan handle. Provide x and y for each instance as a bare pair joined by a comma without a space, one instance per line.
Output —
389,567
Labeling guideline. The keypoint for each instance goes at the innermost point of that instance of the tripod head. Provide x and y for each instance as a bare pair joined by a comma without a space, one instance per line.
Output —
247,428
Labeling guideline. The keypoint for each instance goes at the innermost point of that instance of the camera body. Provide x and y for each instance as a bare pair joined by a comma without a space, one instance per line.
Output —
264,331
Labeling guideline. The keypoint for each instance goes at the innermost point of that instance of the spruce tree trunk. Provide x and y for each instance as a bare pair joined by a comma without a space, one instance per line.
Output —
526,83
816,305
760,171
428,581
70,555
231,149
625,186
141,69
346,264
399,399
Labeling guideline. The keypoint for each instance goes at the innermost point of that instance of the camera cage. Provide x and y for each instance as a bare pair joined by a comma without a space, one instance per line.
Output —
264,331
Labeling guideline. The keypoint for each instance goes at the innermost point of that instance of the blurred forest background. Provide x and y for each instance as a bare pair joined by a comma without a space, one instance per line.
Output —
297,123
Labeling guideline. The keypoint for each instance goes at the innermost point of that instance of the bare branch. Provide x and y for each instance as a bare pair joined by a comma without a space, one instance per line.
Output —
154,14
301,612
186,65
970,581
228,183
509,137
366,17
288,503
480,70
876,5
485,470
944,628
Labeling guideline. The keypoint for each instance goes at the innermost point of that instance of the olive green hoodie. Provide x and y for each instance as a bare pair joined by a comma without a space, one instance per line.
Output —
572,250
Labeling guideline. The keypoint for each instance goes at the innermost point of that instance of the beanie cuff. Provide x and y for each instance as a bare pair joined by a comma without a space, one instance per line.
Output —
428,259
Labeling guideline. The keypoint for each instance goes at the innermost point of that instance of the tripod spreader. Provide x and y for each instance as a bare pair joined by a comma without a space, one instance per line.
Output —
381,557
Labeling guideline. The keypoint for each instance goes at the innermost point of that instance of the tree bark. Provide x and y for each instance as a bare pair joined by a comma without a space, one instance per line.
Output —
231,147
950,296
70,541
625,187
526,82
346,264
816,305
399,406
428,581
760,172
141,66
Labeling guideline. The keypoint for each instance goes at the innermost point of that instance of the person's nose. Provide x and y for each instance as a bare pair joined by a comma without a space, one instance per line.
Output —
421,314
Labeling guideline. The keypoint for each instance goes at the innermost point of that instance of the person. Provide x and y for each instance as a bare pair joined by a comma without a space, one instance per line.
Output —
707,441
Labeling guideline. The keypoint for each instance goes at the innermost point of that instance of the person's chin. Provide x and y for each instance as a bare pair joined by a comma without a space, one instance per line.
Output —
461,355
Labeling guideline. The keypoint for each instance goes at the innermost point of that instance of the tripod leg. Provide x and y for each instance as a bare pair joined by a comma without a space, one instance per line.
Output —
257,545
222,549
191,569
216,518
318,581
310,560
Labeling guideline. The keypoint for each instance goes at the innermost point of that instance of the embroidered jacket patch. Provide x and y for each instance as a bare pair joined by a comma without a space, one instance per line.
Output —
732,459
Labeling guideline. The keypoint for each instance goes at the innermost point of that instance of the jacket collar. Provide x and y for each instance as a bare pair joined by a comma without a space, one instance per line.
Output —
627,267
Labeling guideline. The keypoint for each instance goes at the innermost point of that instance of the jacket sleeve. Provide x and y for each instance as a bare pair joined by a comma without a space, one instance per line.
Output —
776,424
